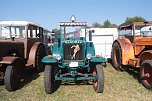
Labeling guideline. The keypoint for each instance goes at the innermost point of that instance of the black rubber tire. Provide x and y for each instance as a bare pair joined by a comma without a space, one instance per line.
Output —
11,78
14,74
41,52
98,85
146,74
117,57
49,79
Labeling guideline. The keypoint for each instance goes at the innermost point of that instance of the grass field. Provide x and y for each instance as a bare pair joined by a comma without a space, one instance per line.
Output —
119,86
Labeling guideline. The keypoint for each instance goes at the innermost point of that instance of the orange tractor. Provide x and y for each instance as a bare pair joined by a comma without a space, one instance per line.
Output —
134,48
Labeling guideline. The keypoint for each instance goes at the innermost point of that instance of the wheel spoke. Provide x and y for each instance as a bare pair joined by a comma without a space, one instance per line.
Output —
146,73
95,73
98,84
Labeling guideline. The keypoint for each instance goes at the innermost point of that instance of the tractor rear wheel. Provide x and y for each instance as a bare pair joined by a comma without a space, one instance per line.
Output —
41,52
98,84
49,79
117,57
146,73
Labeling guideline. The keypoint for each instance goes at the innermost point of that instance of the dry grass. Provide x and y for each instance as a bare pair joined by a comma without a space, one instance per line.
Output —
119,86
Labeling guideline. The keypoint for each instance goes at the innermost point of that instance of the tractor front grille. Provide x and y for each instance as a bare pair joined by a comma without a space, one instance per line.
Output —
73,51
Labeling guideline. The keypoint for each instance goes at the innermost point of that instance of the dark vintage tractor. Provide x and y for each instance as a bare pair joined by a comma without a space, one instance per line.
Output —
21,48
73,59
133,48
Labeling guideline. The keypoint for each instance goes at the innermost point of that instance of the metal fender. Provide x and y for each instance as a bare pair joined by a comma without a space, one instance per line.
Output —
32,53
146,55
49,60
126,49
98,59
8,60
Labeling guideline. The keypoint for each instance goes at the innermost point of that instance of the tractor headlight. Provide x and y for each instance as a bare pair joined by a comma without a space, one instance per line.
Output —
58,56
88,56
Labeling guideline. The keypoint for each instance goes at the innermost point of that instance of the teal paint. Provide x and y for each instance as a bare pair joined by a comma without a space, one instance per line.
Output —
73,72
98,59
49,60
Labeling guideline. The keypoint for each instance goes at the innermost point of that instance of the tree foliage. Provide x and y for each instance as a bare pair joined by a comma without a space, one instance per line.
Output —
135,19
114,26
96,25
108,24
56,31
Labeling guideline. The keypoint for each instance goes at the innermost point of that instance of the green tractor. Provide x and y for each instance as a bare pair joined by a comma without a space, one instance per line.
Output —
73,58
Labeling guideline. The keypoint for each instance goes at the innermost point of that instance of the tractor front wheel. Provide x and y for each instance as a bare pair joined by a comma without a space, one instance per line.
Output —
146,73
13,74
49,79
11,78
98,84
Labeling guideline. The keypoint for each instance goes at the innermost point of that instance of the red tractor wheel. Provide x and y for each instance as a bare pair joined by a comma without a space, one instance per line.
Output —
41,52
117,57
98,84
146,73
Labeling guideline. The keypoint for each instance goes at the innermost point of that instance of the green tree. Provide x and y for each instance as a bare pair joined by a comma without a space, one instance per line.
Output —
56,31
114,26
108,24
96,25
135,19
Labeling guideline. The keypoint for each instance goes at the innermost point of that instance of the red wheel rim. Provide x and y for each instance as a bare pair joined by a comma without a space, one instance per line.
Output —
95,73
147,74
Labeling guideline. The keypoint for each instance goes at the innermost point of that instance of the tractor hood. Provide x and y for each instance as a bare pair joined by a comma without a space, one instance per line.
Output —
11,49
73,41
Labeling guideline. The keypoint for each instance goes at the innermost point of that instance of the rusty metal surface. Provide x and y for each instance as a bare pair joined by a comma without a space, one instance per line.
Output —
8,60
123,25
127,50
23,49
11,48
146,55
32,53
143,40
20,47
135,49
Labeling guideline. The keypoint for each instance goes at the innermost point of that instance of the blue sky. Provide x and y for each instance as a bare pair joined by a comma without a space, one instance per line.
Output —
49,12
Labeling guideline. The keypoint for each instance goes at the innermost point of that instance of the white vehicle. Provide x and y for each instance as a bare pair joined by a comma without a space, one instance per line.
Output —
103,39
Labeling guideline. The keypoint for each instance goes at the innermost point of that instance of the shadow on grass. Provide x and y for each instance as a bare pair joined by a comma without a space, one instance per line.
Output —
109,61
1,83
68,83
56,85
134,72
28,77
82,82
131,71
